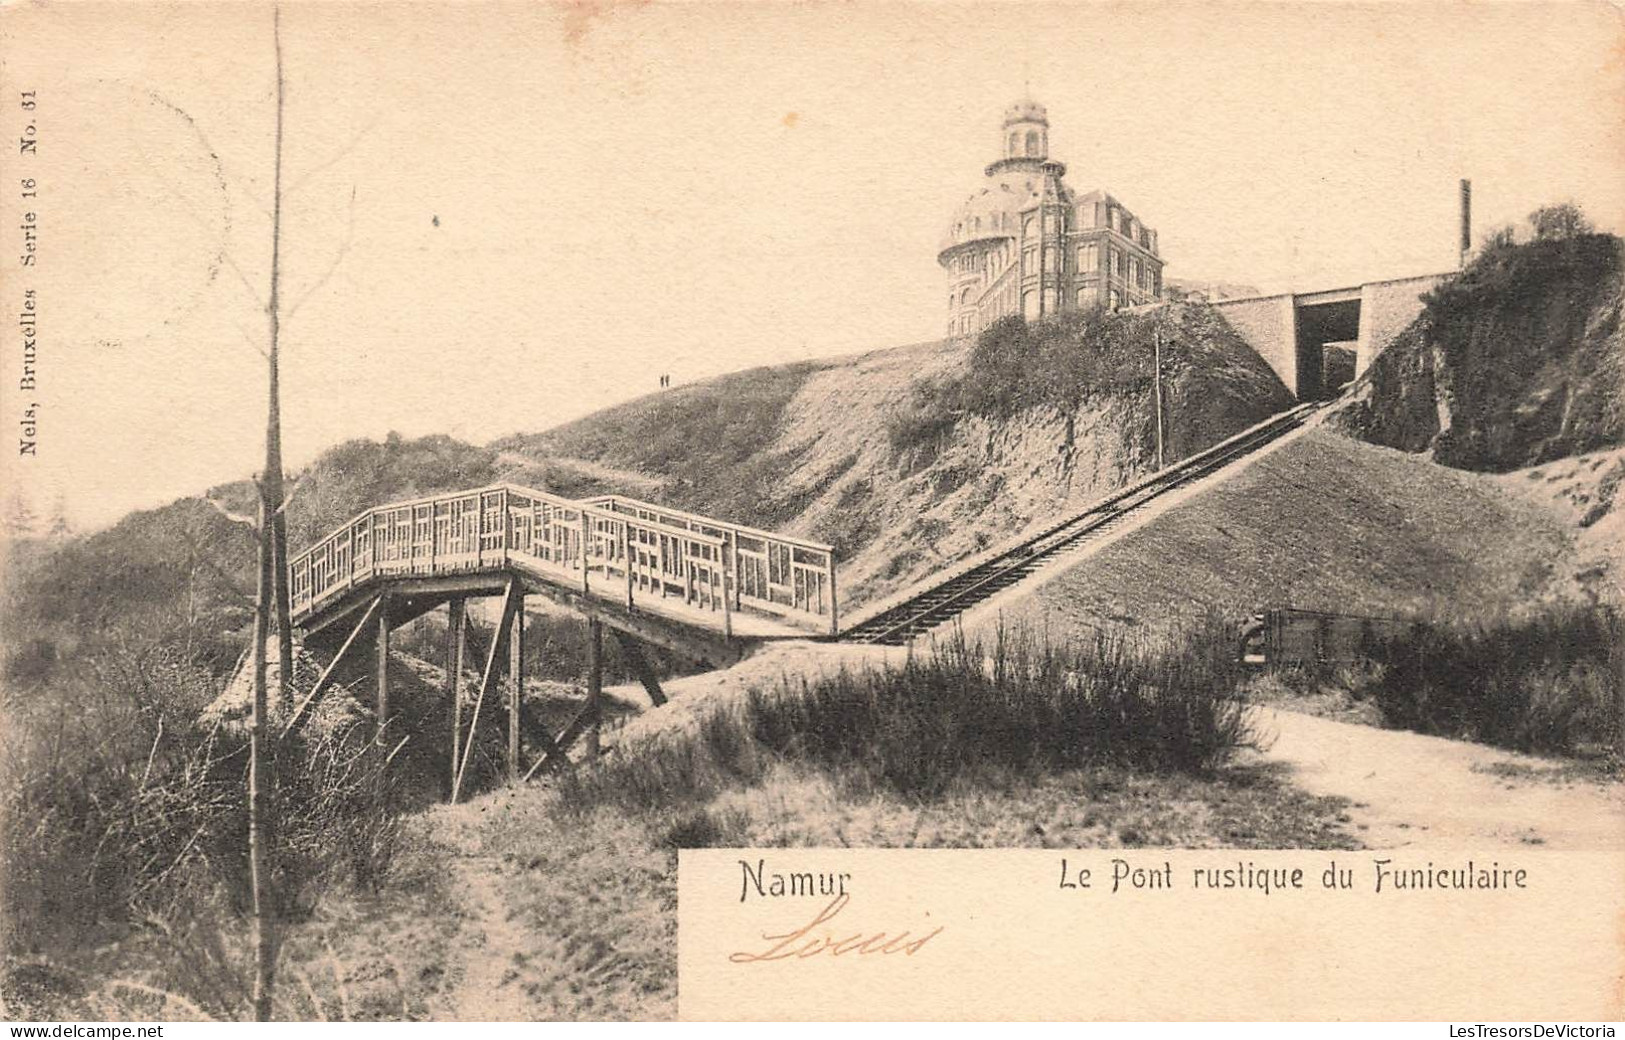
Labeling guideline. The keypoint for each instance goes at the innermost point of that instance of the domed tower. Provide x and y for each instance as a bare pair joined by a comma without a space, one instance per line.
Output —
1026,244
1024,141
1026,131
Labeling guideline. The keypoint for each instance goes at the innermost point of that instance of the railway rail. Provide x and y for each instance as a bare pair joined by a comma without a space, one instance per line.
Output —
898,625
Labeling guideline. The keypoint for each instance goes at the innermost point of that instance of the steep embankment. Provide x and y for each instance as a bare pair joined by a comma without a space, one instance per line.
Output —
1587,494
1514,363
1321,523
909,459
1518,367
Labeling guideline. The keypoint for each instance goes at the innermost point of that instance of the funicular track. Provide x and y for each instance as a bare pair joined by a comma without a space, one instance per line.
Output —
939,603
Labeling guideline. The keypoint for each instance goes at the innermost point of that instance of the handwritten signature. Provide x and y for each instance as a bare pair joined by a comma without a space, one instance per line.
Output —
802,942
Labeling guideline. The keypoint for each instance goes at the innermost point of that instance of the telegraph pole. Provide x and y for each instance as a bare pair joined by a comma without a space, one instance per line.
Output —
1466,243
1156,340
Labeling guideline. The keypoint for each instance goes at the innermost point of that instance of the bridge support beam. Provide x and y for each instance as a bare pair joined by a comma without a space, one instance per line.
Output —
456,649
383,716
510,602
595,685
632,650
302,712
516,682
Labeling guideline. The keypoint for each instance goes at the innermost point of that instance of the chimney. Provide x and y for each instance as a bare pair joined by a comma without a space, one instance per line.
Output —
1466,220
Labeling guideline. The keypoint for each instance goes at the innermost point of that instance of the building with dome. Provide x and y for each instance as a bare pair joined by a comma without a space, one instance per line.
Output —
1026,243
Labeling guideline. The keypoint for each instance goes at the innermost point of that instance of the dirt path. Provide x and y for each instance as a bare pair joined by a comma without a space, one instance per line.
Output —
1406,789
1409,789
638,483
493,948
494,952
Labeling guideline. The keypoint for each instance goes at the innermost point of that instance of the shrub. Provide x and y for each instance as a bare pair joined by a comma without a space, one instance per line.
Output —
1563,220
1021,706
1551,683
919,430
120,811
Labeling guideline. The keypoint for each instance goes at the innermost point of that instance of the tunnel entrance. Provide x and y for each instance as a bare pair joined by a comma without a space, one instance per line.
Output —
1327,337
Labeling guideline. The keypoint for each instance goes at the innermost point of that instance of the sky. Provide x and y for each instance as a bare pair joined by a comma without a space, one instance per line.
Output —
497,218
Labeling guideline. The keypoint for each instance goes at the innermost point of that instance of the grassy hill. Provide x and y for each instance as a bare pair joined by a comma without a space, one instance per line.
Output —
909,459
1323,523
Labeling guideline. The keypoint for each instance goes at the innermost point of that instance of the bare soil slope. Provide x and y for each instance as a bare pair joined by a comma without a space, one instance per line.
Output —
1322,523
909,459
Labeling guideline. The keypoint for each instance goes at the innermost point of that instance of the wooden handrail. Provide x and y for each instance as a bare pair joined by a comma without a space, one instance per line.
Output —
751,532
317,572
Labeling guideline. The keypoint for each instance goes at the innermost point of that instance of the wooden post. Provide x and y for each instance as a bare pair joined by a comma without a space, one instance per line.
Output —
595,685
626,558
727,600
507,525
733,567
383,669
456,648
516,687
586,537
434,533
834,611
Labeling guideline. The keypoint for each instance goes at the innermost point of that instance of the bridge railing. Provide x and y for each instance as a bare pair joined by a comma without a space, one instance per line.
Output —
774,573
608,547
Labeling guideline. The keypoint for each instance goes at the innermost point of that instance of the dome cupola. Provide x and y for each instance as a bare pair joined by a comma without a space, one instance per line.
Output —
1026,131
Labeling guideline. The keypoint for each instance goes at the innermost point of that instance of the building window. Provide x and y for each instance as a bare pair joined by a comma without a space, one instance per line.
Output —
1116,299
1032,142
1089,257
1029,304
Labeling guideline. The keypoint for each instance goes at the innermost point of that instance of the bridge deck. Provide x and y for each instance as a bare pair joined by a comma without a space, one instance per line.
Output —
614,556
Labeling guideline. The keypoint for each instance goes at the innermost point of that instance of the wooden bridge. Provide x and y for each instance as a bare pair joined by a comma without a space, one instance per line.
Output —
705,588
702,587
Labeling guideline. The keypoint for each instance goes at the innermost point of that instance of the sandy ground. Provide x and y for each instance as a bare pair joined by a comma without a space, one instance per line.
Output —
1408,789
791,659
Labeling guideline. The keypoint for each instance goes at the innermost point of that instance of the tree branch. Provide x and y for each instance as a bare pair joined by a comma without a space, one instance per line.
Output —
349,147
338,258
